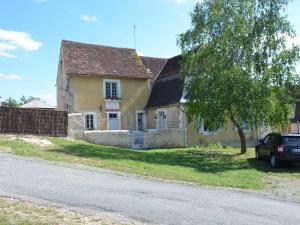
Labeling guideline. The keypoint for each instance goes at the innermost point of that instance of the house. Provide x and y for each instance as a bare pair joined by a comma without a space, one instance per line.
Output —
37,104
109,85
116,97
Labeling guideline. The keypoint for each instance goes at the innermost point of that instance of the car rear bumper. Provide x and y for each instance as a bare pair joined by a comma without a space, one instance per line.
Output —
290,157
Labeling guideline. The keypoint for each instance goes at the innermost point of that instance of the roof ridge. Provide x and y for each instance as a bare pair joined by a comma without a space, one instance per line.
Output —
96,45
153,57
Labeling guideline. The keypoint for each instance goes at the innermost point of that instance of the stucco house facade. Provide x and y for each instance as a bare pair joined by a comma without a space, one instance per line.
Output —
116,97
110,86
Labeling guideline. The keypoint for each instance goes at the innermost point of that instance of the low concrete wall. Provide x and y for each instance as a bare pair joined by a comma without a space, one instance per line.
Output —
120,138
164,138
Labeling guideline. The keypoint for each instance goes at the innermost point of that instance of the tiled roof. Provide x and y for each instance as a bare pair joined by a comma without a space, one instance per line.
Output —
153,65
37,104
89,59
168,87
171,68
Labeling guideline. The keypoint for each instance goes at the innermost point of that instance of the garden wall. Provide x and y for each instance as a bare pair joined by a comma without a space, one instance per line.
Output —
33,121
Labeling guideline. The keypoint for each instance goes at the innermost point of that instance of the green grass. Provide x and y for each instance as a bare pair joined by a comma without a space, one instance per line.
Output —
206,166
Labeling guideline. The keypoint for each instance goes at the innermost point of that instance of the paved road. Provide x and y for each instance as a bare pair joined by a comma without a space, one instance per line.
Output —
141,199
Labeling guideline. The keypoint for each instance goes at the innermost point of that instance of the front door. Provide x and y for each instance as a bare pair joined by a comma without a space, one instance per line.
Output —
113,122
161,120
141,121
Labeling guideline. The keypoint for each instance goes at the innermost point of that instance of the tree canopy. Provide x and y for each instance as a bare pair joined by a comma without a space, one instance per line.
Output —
15,103
238,64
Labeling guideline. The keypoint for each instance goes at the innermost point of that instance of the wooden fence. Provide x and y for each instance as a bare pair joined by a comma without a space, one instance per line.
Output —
33,121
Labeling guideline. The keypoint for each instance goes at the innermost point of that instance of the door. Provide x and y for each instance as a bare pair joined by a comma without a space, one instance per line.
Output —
161,120
113,121
141,123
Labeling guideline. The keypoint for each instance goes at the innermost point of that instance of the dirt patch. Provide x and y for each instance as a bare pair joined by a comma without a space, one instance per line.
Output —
5,149
284,188
14,211
35,140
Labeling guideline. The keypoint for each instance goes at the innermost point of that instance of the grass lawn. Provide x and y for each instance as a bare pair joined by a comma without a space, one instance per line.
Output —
219,167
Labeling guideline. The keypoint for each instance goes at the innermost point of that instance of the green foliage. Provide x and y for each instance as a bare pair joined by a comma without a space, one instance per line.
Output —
238,65
12,102
15,103
24,100
215,146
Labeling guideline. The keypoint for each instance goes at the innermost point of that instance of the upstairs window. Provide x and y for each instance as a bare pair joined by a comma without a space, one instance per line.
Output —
112,89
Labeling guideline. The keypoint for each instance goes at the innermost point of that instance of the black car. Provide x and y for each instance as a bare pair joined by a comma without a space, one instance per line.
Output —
279,148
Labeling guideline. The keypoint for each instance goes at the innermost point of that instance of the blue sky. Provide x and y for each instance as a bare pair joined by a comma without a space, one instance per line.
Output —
31,32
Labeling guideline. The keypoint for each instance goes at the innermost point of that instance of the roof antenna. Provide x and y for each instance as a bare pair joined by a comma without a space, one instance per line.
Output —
134,27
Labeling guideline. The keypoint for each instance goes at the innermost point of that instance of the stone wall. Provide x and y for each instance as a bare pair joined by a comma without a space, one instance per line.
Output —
168,138
76,125
119,138
152,138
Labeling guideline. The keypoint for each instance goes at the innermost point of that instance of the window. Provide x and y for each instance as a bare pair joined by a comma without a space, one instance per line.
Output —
90,121
205,131
112,89
202,128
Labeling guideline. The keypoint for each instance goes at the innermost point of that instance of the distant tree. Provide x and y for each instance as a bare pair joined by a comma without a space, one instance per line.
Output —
12,102
23,100
237,64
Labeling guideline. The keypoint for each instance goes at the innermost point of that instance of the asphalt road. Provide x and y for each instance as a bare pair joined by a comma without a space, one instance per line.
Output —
141,199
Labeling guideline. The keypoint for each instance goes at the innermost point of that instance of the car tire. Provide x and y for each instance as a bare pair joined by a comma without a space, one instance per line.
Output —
274,161
257,155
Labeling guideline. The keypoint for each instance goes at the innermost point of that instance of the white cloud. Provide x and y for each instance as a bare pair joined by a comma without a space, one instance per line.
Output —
9,77
13,40
7,55
88,18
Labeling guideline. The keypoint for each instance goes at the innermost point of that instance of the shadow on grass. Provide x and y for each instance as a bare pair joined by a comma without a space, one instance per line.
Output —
204,161
264,166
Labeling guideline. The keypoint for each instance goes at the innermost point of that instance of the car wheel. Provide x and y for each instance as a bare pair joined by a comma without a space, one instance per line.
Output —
274,161
257,155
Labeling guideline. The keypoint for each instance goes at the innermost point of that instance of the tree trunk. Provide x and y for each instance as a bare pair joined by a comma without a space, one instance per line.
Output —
241,134
243,141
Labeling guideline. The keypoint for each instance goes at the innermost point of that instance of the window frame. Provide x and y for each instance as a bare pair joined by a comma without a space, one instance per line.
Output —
202,129
94,120
118,88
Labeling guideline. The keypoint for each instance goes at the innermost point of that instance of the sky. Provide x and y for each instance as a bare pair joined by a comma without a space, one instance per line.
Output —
31,32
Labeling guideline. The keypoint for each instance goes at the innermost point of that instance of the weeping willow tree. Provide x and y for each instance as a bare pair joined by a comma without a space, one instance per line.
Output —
238,64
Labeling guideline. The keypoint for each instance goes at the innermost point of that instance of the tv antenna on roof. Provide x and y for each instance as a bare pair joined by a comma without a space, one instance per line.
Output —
134,27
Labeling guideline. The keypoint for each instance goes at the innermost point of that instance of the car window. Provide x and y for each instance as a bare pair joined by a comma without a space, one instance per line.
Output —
270,140
266,139
292,140
277,139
